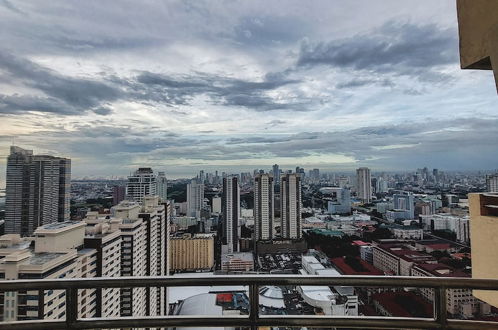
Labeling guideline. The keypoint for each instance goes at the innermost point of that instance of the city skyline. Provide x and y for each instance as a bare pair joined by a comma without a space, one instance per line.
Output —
318,89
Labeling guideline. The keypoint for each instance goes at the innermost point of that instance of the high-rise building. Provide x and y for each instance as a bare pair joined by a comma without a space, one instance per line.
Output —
315,174
231,213
162,186
364,184
118,194
154,215
492,183
142,183
263,207
216,205
276,174
56,253
144,248
290,206
195,198
404,201
37,191
103,234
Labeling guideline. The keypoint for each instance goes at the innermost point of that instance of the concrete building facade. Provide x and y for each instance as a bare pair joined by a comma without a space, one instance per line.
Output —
37,191
263,207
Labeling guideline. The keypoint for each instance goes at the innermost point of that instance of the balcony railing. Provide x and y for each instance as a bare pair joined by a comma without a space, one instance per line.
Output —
254,319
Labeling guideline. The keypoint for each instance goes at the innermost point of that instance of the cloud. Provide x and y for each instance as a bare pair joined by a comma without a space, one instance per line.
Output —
64,95
397,47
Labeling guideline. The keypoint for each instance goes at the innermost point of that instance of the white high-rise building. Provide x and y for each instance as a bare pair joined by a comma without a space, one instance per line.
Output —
231,213
103,234
162,186
37,191
142,183
133,256
364,184
492,183
56,253
216,205
263,207
195,199
290,206
154,215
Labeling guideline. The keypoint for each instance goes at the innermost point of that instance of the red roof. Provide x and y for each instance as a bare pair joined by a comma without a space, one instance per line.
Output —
360,243
439,246
390,302
345,269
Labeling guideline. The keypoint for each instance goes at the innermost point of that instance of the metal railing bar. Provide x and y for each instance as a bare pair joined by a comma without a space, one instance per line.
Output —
146,281
33,325
71,306
466,324
242,321
254,305
442,313
323,321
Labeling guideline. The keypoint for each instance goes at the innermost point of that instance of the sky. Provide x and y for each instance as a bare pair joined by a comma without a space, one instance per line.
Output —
236,85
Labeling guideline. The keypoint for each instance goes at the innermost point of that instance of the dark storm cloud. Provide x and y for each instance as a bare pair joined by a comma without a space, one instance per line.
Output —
65,95
73,96
222,90
397,47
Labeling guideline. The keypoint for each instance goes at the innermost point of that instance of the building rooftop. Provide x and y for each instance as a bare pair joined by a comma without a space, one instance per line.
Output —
362,268
44,257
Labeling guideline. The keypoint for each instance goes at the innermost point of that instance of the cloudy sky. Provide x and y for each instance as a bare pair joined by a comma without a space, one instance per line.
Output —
185,85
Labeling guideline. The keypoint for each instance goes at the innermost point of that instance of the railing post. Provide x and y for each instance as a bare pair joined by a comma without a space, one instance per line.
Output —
254,301
440,311
71,306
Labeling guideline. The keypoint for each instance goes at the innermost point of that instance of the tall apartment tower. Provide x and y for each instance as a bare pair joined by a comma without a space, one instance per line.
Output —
195,198
492,183
162,186
364,184
37,191
276,174
142,183
231,213
290,205
133,256
263,207
405,201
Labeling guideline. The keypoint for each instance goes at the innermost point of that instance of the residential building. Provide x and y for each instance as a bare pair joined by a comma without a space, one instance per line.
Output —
364,184
290,206
162,186
195,199
216,205
404,201
133,256
276,174
140,184
231,214
103,234
58,252
37,191
492,182
263,207
189,253
341,203
446,221
118,194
